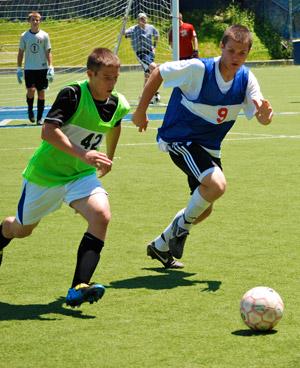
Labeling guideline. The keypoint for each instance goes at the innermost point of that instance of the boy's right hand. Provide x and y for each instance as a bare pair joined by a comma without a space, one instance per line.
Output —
20,75
140,120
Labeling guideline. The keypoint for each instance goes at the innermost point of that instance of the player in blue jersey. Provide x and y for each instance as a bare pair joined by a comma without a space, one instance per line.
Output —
144,38
207,96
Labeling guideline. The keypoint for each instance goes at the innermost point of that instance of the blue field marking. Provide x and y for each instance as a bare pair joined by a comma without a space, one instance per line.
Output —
16,113
8,114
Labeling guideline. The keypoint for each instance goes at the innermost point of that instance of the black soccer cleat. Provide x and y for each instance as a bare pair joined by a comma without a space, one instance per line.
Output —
1,256
164,257
31,116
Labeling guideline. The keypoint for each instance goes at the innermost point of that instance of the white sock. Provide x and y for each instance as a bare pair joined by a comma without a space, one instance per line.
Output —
195,207
162,244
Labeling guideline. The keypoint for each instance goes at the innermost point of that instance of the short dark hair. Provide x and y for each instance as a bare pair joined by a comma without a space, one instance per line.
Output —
237,33
100,57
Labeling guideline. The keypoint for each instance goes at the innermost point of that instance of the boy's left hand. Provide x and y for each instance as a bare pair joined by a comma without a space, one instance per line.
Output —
264,112
50,74
103,170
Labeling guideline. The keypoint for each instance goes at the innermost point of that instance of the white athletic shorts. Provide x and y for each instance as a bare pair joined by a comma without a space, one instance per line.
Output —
36,202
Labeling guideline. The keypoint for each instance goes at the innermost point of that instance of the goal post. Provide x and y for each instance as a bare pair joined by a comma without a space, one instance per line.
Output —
75,29
175,29
122,31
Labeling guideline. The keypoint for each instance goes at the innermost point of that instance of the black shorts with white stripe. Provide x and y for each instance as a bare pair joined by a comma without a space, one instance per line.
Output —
194,161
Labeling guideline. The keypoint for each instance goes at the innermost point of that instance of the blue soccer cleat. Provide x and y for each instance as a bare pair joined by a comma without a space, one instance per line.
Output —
82,293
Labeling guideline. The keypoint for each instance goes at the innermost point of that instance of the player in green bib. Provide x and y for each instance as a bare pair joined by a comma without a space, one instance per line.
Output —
64,167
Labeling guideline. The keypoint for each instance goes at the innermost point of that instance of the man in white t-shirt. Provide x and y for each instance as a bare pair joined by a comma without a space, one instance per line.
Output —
207,96
35,46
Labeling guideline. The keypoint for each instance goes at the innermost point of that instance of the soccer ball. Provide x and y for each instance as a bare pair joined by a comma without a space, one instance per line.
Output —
261,308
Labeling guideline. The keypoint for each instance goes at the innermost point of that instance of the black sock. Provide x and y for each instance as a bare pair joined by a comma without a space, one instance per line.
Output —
30,103
3,241
40,109
88,256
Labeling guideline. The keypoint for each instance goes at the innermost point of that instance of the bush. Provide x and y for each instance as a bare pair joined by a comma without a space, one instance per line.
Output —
268,44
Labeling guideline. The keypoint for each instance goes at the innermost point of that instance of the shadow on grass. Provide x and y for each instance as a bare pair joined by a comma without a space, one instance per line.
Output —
168,279
9,312
248,332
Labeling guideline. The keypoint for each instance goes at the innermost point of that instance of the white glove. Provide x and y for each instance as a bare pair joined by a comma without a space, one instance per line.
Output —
20,75
50,74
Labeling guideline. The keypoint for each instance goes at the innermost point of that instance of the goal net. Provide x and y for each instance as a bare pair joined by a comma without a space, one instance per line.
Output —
75,28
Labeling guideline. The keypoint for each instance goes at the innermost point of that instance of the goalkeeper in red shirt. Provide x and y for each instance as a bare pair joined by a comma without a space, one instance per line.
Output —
188,42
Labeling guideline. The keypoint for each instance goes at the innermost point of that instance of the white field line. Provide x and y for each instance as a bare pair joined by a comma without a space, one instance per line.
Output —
243,137
256,136
5,122
247,135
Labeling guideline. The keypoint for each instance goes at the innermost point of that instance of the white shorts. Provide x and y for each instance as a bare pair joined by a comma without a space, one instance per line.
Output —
36,202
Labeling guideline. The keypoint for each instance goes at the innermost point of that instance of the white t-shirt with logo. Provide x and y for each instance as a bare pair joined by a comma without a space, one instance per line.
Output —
35,47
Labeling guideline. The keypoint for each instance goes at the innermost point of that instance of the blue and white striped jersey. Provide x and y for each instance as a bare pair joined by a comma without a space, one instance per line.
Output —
142,38
203,107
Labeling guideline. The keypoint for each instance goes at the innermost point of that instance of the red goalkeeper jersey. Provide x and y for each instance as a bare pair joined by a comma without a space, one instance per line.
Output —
186,34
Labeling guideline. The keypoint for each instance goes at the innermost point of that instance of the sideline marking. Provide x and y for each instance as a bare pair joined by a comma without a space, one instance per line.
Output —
8,114
247,137
5,122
